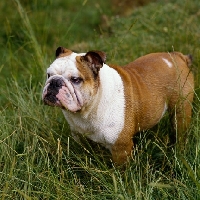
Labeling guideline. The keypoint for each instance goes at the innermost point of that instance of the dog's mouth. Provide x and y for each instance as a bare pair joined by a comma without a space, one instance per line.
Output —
63,94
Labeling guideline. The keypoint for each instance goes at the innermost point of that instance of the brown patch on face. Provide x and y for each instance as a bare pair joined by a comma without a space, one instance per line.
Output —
89,66
91,82
62,52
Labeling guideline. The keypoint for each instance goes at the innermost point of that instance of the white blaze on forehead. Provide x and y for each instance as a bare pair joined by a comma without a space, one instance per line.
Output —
64,66
169,64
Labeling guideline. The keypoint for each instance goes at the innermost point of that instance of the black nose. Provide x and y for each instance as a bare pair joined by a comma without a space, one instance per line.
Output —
55,86
52,90
56,83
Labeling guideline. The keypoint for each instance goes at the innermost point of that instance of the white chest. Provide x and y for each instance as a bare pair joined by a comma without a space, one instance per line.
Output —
104,119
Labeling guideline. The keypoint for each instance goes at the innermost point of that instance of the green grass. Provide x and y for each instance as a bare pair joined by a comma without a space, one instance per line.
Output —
38,157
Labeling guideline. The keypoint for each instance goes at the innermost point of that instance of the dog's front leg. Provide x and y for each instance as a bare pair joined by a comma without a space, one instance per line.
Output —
121,150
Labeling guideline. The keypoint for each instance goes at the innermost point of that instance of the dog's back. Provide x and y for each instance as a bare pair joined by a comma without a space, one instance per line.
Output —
159,82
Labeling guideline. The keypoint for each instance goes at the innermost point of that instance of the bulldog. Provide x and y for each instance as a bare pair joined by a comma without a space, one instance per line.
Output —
110,104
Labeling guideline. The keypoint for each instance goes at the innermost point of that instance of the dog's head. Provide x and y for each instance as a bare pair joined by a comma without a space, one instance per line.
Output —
73,79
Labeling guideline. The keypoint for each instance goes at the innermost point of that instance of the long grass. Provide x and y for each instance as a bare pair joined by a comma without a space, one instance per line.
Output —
38,157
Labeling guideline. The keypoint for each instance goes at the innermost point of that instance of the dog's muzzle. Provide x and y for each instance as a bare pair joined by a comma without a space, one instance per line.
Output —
60,92
51,90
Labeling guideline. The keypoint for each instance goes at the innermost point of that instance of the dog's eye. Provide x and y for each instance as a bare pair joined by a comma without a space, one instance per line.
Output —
76,80
48,75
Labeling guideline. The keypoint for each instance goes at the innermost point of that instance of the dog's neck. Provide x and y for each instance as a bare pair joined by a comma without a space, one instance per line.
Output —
103,120
110,88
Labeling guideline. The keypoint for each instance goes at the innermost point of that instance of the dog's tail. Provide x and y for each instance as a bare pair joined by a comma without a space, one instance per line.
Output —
186,58
189,59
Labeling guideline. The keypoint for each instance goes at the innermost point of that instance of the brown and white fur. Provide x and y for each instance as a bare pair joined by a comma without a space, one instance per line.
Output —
110,104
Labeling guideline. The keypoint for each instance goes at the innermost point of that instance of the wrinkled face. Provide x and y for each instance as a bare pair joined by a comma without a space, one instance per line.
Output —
72,79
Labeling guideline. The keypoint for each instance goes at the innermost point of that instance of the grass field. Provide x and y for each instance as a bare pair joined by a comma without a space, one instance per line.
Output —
38,157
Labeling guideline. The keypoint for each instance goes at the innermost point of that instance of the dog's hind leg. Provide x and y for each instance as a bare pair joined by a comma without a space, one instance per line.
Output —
181,117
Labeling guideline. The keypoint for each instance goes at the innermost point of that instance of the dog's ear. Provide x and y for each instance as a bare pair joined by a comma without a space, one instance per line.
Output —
101,54
62,51
96,60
